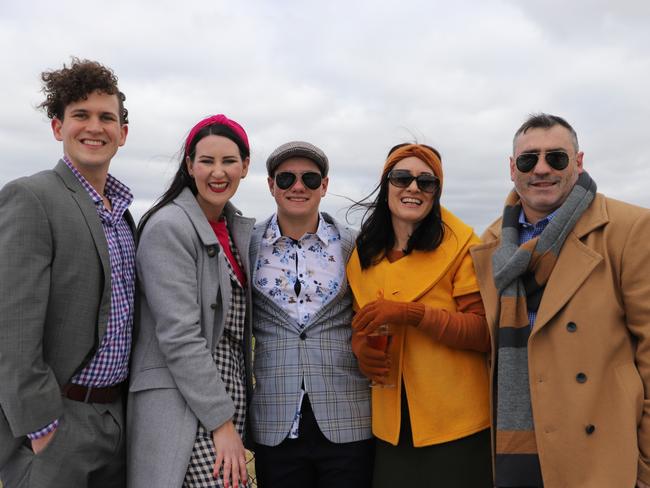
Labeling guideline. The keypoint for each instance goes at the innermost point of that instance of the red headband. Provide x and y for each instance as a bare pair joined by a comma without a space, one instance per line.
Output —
219,119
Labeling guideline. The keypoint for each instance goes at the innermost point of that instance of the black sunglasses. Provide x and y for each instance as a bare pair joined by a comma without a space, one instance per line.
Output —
310,179
402,178
555,159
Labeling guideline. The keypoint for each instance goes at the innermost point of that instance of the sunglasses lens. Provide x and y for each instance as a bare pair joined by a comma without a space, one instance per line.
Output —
400,179
285,180
526,162
312,180
427,183
557,160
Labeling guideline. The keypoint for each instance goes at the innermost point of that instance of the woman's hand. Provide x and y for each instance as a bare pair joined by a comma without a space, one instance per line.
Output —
230,453
382,311
373,363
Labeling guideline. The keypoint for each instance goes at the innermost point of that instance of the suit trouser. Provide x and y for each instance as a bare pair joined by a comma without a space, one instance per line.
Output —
86,451
312,461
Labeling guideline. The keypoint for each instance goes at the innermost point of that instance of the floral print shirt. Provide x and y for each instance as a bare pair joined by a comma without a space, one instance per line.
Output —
301,276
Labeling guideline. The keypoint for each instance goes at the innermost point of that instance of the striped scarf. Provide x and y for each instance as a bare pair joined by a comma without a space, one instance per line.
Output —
520,275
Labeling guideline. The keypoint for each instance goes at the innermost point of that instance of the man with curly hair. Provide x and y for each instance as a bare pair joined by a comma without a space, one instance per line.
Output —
68,275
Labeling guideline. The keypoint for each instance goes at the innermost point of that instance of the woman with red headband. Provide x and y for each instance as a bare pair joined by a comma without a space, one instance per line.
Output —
191,358
412,270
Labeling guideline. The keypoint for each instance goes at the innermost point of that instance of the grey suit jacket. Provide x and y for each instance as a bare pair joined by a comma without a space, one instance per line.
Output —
321,354
54,296
184,296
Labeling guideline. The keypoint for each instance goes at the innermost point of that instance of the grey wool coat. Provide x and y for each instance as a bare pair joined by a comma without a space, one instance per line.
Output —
320,354
184,294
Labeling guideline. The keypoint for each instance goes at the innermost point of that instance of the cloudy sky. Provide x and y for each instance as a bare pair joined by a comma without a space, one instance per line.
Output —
354,77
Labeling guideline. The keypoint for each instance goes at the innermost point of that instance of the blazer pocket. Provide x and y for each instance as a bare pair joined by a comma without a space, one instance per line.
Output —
152,378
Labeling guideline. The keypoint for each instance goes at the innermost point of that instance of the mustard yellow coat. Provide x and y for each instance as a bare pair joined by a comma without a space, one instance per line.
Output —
447,389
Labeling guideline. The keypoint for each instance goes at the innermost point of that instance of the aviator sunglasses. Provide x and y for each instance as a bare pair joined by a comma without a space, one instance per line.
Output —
402,178
555,159
286,180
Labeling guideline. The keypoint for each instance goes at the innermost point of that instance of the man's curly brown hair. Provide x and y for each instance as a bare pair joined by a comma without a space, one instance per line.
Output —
71,84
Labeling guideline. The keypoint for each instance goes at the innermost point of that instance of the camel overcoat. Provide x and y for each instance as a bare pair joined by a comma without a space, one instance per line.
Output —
593,320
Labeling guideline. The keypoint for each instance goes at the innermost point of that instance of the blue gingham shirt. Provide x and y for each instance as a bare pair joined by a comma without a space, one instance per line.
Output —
110,364
528,231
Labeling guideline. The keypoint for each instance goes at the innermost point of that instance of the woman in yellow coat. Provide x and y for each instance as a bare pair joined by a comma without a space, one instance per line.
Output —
412,269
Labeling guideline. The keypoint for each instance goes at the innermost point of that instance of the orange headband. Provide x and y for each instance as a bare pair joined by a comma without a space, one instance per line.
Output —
415,150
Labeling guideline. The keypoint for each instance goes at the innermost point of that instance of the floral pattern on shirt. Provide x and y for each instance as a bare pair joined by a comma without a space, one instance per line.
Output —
314,261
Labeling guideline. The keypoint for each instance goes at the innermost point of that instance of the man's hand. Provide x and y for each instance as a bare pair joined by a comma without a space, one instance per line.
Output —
39,444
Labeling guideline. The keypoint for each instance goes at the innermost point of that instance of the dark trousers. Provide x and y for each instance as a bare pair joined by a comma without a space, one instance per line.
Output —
313,461
86,451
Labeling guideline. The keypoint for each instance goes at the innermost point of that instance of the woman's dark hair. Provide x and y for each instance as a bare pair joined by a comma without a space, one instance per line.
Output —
182,178
377,237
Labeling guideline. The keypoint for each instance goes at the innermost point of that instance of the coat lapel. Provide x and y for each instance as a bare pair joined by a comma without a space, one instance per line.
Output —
407,279
413,276
574,265
89,212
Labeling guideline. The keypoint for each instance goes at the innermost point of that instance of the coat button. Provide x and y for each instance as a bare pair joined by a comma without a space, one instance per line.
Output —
213,306
212,251
303,336
590,429
581,378
571,327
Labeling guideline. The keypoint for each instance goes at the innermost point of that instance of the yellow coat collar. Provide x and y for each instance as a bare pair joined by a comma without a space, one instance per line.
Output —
411,277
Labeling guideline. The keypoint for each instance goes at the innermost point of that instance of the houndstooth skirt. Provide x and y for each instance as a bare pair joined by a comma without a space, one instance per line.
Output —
228,355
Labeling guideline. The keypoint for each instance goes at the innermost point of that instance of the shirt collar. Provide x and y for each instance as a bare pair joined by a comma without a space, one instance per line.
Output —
543,222
273,233
114,188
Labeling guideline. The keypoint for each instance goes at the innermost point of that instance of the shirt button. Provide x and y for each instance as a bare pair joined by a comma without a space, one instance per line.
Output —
571,327
581,378
303,336
590,429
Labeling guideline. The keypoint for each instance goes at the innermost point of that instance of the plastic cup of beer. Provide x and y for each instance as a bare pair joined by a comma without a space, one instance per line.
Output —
381,338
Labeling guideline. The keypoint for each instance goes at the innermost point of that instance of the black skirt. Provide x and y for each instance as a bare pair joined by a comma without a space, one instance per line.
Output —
461,463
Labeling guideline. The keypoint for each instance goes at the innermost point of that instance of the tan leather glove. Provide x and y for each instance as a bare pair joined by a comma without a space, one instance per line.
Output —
373,362
383,311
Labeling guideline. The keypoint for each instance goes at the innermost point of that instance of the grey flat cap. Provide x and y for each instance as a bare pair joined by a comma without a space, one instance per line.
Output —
297,149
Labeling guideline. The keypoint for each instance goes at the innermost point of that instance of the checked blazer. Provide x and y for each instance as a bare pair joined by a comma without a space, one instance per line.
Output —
320,354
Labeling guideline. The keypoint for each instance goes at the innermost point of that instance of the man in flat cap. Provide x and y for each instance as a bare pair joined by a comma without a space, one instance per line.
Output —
311,406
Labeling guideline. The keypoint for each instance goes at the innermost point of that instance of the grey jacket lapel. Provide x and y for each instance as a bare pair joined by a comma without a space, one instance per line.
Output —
89,212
